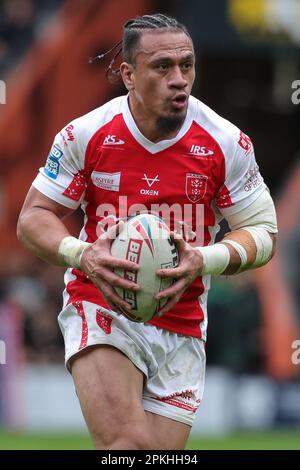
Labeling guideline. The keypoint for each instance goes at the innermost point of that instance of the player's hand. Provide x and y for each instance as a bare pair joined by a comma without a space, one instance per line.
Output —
190,266
98,264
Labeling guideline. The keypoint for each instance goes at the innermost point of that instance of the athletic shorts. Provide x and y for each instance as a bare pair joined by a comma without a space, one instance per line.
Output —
174,365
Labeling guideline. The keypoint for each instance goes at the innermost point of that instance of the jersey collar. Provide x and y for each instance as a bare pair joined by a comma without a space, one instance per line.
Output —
146,143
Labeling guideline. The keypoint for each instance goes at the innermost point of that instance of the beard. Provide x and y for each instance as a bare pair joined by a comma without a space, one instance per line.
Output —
167,124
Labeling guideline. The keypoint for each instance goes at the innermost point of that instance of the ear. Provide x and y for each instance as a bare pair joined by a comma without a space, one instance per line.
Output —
127,73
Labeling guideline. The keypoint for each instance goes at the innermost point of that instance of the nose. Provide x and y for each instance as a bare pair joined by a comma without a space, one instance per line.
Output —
177,79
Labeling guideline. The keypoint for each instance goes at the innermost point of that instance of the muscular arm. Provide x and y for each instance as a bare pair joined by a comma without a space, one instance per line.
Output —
252,241
41,230
247,242
250,244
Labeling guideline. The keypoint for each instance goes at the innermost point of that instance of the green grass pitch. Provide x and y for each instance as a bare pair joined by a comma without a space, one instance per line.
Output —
284,439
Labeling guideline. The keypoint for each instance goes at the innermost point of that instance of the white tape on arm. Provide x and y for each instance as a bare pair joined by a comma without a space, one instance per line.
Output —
259,220
215,258
70,251
264,245
241,251
261,212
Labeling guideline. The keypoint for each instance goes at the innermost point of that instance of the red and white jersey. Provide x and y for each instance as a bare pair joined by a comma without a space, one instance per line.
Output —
102,162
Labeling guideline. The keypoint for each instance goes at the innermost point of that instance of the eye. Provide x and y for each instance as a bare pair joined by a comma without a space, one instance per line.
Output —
187,66
162,67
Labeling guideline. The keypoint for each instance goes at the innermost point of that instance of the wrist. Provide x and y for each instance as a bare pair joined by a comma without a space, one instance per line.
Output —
70,251
215,259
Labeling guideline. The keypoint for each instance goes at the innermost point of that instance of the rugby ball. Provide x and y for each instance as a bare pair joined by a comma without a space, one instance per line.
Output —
145,239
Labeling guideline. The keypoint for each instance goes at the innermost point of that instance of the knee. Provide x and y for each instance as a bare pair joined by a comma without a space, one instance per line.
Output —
124,439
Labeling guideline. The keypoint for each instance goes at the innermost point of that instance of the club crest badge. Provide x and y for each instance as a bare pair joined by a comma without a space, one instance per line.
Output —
195,186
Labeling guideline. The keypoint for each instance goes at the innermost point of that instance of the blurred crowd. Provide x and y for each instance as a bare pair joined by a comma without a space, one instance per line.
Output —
20,23
31,293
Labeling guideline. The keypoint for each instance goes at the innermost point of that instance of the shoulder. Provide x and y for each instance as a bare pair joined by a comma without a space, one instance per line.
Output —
81,130
225,133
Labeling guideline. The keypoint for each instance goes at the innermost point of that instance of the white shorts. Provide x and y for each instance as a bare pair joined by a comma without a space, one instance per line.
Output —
174,365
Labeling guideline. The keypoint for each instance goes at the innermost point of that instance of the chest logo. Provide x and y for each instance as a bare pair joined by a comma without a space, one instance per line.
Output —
112,140
150,181
108,181
195,186
198,151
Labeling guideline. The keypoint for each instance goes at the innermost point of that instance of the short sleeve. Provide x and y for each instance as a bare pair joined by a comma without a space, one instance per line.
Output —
243,181
63,177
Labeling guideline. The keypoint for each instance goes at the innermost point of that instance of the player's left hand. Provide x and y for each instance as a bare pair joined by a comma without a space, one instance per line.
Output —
190,266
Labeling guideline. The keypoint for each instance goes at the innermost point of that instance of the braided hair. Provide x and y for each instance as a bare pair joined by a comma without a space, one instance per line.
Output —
132,32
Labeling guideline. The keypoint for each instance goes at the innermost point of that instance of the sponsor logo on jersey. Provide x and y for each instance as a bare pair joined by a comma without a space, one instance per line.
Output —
68,131
150,182
245,142
67,135
200,152
254,179
52,164
195,186
111,140
108,181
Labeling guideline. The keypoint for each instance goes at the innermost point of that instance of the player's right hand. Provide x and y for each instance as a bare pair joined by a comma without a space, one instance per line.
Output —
98,264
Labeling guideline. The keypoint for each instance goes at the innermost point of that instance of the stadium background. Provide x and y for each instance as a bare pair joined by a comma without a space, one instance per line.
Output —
247,60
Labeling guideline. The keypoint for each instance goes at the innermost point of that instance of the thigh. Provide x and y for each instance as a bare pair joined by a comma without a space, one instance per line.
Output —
109,388
175,390
168,434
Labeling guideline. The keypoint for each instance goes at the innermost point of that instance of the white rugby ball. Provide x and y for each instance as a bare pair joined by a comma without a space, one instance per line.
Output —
145,239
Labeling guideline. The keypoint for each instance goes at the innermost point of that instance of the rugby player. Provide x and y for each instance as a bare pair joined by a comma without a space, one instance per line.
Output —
139,385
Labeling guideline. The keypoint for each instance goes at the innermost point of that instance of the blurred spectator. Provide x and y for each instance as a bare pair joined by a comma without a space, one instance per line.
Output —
16,29
45,342
35,290
20,22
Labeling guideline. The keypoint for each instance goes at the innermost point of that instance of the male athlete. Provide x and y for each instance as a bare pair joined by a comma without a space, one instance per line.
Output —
139,385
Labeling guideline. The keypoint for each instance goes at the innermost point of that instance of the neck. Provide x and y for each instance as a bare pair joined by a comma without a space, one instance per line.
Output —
154,129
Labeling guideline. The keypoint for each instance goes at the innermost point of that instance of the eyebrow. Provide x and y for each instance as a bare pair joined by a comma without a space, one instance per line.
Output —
165,58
